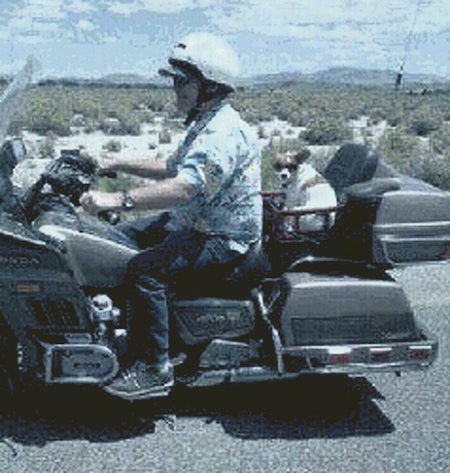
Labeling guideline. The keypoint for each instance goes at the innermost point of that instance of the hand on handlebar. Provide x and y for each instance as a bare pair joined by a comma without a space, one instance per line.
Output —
106,163
94,202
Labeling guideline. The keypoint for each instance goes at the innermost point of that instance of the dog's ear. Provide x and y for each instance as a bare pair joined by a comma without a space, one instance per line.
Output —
302,155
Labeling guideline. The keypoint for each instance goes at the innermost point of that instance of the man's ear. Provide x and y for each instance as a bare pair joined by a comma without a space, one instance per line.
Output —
302,155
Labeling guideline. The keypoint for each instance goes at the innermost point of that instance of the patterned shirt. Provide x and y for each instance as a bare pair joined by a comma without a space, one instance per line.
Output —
222,161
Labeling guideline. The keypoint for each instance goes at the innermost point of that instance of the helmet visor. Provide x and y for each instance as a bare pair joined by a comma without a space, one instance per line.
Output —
171,71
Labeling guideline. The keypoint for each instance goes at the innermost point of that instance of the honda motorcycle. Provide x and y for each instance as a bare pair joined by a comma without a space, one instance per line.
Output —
306,302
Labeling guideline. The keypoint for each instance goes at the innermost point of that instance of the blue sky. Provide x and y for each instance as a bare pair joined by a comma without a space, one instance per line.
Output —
92,38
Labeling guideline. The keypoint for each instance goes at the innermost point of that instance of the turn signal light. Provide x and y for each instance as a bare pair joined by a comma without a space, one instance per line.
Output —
380,354
340,355
422,352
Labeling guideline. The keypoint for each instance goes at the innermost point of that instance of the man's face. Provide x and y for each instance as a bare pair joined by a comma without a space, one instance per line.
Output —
186,90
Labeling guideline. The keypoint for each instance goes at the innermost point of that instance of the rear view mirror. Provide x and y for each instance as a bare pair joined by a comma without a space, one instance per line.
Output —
12,152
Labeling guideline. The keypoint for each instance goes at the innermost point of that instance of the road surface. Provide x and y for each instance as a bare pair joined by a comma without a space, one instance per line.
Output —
382,424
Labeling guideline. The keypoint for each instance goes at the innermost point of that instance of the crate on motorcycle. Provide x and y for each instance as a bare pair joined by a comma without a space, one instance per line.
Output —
292,226
203,319
337,309
379,221
412,225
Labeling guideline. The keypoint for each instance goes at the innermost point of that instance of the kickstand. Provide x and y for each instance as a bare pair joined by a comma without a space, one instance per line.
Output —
170,420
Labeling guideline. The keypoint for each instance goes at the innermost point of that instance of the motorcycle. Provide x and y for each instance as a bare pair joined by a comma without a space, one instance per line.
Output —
320,302
306,302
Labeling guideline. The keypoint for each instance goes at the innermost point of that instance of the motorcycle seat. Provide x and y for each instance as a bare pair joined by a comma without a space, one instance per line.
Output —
235,280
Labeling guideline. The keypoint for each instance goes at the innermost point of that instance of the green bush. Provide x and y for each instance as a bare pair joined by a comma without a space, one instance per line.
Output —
164,136
424,120
326,131
48,115
440,140
323,109
436,171
46,148
403,151
113,146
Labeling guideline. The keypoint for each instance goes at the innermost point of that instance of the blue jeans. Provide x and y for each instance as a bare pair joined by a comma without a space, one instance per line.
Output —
148,231
149,274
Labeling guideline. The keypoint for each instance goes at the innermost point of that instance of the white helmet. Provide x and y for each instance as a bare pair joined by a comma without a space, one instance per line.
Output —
211,55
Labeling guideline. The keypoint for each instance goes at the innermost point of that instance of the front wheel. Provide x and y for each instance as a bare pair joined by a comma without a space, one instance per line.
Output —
10,378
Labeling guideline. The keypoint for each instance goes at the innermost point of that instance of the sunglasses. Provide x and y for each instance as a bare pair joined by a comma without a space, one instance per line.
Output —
290,167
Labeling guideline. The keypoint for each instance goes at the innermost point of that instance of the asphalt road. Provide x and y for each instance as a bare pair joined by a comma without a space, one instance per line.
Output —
382,424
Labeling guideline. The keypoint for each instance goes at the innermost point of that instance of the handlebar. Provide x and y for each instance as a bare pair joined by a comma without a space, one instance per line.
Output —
69,175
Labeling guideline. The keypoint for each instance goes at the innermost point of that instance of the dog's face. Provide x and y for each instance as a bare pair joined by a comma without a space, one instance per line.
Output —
286,166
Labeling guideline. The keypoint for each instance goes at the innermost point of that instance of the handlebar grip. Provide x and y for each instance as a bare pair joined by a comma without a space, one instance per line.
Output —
109,216
107,173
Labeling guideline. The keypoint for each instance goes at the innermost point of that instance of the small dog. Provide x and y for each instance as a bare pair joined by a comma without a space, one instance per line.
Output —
305,188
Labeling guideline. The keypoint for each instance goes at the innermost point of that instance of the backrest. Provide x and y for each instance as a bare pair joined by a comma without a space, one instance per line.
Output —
352,163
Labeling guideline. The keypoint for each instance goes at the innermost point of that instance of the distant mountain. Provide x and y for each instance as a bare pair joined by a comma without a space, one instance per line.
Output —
124,78
345,75
331,76
116,80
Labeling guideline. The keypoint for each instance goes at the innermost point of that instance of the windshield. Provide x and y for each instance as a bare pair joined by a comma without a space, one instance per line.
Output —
9,96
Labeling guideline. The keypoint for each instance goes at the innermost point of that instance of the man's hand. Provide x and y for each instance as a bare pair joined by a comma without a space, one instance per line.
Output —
93,201
106,163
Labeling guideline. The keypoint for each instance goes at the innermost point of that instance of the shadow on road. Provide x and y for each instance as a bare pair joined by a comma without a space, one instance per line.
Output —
311,407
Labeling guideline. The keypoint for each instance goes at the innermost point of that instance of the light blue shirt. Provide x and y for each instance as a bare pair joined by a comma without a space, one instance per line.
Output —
223,164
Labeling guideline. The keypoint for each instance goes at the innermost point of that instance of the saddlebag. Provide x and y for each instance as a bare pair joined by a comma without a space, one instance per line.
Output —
412,225
337,309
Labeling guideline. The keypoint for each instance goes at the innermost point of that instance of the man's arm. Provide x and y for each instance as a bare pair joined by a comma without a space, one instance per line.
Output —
161,195
150,168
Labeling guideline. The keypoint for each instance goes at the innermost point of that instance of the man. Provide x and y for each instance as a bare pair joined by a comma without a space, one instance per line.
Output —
212,186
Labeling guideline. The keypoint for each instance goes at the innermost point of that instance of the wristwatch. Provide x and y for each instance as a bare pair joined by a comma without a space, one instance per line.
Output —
128,202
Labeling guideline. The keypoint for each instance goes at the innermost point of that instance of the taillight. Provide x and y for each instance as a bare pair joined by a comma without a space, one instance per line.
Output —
420,352
380,354
339,355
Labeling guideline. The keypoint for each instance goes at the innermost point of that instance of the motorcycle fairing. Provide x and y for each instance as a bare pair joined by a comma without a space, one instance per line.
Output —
38,293
95,261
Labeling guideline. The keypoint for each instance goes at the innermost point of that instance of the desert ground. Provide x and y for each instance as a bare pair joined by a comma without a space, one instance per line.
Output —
147,145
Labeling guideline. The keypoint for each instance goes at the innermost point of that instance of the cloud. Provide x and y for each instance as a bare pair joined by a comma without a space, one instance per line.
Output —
86,25
286,35
42,9
306,19
362,32
80,6
157,6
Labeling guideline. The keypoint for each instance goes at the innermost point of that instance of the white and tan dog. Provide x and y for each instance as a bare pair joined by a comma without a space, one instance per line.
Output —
305,188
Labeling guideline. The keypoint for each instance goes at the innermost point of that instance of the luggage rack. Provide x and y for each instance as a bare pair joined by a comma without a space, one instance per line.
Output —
292,226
